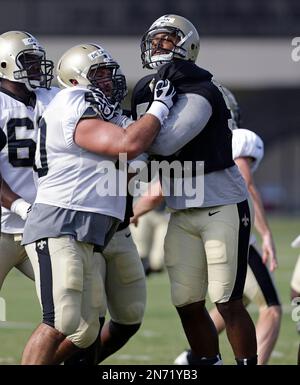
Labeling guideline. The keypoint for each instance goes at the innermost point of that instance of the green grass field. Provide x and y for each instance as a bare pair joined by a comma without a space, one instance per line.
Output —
160,339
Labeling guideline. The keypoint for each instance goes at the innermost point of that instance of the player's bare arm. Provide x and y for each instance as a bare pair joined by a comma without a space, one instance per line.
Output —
7,195
261,224
106,138
148,201
109,139
13,202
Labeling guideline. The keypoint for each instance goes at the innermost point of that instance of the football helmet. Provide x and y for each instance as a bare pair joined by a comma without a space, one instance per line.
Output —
91,66
186,45
23,60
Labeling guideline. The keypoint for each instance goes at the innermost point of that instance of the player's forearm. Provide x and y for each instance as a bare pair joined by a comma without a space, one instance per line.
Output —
260,222
108,139
139,135
146,204
7,195
186,120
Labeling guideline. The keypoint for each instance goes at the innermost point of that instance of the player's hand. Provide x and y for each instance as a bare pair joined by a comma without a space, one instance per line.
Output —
165,93
21,208
269,252
101,104
134,220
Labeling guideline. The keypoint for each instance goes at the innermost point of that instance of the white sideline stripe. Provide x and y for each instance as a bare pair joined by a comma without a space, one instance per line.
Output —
17,325
150,333
7,360
124,357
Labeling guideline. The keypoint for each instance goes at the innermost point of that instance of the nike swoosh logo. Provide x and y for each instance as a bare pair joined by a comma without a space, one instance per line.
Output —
127,235
216,212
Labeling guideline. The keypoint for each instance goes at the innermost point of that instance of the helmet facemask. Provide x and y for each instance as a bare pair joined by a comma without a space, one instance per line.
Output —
35,71
119,87
109,80
171,28
154,55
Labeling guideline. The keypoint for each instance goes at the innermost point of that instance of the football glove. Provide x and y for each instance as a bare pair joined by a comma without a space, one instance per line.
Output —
164,98
165,93
100,103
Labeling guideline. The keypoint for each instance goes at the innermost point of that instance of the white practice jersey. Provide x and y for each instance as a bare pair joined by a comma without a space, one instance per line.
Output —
70,176
246,143
20,125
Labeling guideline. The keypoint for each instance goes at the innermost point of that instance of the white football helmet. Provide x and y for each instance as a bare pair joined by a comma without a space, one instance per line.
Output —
186,48
80,66
23,60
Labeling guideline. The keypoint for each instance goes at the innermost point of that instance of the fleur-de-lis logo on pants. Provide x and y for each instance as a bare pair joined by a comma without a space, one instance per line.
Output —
245,220
41,244
296,310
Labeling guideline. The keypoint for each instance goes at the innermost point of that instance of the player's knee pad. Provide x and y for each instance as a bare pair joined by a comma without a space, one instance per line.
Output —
69,319
218,292
133,313
183,294
86,336
121,331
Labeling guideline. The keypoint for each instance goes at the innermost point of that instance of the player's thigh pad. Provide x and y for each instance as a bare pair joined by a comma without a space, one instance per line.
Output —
185,259
125,283
226,242
93,302
65,282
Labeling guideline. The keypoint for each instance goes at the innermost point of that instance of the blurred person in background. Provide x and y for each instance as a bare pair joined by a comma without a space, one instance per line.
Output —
295,287
149,230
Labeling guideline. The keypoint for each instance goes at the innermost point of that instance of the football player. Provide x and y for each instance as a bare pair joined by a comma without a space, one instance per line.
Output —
121,267
25,79
248,151
295,286
81,136
206,246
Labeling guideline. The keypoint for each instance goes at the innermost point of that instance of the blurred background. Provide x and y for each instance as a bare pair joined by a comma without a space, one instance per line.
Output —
245,44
